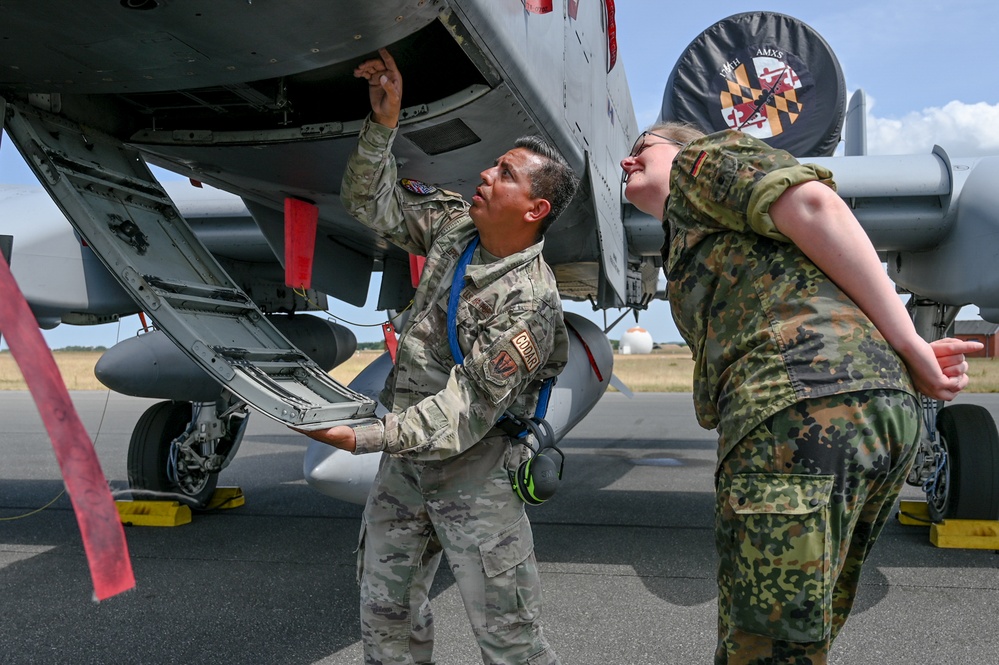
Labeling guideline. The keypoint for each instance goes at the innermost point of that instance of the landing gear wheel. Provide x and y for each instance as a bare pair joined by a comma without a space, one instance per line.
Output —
149,453
968,486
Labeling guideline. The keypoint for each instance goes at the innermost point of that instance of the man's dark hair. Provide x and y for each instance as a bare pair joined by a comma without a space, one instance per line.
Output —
554,180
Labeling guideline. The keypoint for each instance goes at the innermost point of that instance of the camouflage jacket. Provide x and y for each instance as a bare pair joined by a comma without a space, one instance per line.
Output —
766,327
510,324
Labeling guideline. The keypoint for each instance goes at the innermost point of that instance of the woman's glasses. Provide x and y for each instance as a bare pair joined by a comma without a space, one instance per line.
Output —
641,143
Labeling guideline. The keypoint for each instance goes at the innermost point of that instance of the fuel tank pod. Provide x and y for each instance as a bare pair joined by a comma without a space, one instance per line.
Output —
151,365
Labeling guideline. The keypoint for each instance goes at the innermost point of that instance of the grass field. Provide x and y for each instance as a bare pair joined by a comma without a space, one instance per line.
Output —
665,370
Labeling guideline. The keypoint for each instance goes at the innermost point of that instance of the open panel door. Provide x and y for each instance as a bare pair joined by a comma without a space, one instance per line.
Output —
112,199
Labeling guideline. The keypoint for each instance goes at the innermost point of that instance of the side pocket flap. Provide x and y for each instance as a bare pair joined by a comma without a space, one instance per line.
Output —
506,549
755,493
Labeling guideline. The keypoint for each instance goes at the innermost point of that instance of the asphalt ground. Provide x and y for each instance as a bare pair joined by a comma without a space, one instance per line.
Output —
625,549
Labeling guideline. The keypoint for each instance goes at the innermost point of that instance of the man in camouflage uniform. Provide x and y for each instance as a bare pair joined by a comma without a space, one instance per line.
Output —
445,483
797,334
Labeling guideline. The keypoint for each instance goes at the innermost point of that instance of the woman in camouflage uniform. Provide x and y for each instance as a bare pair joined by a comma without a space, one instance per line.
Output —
807,364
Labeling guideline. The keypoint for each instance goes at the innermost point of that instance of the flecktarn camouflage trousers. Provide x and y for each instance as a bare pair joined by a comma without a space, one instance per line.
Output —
464,507
800,502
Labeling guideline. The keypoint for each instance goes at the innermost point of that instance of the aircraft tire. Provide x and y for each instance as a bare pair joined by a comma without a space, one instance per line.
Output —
148,453
970,486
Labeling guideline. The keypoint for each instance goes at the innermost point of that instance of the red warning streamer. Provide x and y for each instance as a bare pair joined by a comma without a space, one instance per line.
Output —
416,264
538,6
300,221
391,340
611,35
96,514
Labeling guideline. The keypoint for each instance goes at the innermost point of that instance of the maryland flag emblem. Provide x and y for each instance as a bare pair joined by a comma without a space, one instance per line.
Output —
761,96
765,73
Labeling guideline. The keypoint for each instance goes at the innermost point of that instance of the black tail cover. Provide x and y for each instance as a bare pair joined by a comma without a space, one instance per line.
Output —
765,73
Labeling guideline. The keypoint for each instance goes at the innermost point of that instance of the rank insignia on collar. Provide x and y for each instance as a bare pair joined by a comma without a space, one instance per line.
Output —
417,187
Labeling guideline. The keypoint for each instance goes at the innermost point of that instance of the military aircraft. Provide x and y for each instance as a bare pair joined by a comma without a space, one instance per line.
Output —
258,100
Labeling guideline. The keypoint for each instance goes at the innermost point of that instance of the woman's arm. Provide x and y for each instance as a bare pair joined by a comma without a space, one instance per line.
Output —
820,223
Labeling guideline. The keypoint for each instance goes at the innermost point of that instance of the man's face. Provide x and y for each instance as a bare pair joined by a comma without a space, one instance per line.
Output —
504,196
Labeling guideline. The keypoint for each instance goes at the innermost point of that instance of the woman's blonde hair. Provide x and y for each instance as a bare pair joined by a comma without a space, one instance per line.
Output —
678,131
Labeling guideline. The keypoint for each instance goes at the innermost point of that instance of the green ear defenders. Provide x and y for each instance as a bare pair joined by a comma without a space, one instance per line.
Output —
536,480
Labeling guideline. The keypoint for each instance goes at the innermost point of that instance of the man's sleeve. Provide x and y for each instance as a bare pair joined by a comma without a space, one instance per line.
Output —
505,359
369,191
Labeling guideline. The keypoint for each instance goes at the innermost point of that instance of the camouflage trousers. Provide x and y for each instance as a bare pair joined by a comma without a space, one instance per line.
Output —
800,502
464,507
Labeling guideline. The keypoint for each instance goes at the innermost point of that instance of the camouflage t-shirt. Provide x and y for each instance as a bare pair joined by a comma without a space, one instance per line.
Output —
509,322
766,327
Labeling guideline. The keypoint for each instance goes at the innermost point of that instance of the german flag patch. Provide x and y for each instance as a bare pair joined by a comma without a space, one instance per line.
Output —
698,163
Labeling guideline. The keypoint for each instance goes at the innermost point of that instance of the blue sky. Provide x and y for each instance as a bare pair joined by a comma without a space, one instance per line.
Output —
927,67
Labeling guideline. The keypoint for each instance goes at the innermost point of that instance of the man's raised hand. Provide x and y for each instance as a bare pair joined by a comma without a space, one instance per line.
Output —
384,87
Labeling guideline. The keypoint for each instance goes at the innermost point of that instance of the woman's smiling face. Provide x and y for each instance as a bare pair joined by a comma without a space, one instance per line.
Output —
647,170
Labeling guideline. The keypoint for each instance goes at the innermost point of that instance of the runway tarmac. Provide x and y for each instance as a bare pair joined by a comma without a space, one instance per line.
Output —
625,549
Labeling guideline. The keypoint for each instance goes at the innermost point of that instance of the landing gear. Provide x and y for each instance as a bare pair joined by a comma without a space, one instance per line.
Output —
965,482
957,465
178,449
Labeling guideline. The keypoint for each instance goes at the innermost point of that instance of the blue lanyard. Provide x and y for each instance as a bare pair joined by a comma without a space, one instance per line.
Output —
457,283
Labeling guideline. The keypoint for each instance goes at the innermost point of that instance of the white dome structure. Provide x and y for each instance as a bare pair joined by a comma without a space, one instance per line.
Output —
637,341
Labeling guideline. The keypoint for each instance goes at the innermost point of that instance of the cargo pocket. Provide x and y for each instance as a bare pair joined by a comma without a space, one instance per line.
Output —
782,587
513,588
360,551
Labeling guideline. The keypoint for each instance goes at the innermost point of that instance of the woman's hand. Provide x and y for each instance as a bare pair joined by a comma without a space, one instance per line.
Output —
939,369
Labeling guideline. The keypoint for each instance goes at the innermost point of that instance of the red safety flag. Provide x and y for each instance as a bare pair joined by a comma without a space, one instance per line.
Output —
416,264
300,221
391,339
538,6
96,513
611,35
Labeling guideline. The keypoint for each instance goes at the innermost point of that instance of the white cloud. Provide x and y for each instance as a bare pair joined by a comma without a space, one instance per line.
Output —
963,130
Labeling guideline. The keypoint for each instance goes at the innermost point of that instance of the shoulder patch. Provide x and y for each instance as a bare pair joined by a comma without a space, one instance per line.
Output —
417,187
528,351
503,365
